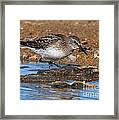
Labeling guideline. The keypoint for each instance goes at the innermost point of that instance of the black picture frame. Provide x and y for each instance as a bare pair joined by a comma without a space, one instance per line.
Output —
2,61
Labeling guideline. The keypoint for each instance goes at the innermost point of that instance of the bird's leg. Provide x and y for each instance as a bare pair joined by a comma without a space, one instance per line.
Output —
56,64
51,63
44,61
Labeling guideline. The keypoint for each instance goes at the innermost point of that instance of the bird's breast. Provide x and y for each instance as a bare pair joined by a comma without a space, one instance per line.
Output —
52,53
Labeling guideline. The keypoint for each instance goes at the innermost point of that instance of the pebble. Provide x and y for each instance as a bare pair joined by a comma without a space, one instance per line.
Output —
80,28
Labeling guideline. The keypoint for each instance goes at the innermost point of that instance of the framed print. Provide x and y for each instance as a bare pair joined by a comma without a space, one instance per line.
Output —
59,60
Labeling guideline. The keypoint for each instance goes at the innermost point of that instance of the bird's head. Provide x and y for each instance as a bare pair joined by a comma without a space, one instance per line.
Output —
75,43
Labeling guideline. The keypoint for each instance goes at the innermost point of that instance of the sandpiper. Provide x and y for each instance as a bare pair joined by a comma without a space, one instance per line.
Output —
54,47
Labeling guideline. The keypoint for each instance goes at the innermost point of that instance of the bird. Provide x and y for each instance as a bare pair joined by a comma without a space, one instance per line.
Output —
53,47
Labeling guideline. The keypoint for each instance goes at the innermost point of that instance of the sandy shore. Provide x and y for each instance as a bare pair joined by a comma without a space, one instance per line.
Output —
86,30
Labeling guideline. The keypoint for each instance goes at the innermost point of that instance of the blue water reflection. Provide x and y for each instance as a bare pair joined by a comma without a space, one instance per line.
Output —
32,68
36,91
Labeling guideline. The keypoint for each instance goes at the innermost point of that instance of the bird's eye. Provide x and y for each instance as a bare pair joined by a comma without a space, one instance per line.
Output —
75,41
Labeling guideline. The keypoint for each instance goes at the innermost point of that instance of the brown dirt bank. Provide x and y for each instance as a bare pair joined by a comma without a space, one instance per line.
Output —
86,30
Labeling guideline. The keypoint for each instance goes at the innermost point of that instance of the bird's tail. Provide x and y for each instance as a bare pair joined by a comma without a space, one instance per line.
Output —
23,43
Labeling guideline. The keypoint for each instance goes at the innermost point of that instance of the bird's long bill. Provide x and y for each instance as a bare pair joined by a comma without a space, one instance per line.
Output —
82,49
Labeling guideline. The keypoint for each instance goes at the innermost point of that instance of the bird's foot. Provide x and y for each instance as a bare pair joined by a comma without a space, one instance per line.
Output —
52,63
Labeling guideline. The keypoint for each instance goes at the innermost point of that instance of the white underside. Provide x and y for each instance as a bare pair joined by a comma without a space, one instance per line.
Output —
50,52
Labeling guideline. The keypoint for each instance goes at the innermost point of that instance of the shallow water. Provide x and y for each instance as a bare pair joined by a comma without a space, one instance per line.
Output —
36,91
32,68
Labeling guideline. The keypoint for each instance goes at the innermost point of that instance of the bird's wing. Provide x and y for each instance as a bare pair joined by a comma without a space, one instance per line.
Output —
43,42
32,44
52,38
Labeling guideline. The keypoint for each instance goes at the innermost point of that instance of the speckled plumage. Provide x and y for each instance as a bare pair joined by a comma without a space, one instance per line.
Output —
54,47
